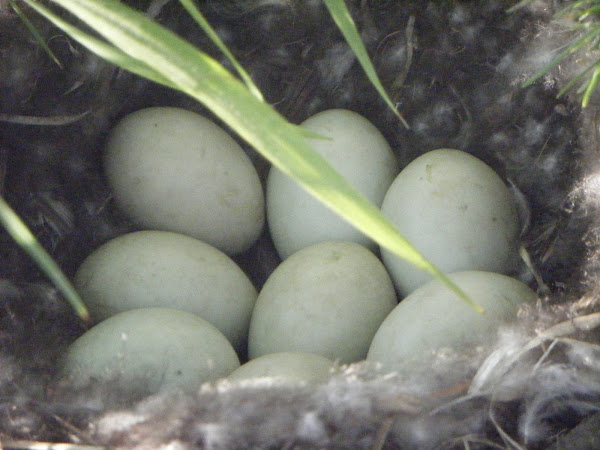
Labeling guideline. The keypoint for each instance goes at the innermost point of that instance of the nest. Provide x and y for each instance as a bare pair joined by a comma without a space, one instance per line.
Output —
456,70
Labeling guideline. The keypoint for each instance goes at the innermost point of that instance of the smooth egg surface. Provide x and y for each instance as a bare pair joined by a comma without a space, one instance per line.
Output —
144,351
293,366
172,169
164,269
433,318
360,153
456,211
327,299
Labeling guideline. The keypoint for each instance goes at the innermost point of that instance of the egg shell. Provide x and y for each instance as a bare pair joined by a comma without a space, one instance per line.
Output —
293,366
360,153
164,269
433,318
456,211
172,169
144,351
327,299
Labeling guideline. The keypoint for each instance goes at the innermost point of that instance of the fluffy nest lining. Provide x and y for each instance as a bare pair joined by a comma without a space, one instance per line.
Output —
455,69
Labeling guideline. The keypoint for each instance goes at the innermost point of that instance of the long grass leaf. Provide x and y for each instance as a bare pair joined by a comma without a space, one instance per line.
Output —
519,5
33,30
102,49
573,47
210,32
341,16
577,11
572,8
27,241
591,86
576,79
204,79
589,12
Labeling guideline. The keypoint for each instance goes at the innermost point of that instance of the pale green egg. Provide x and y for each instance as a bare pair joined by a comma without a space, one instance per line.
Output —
174,170
293,366
164,269
433,319
457,212
144,351
327,299
360,153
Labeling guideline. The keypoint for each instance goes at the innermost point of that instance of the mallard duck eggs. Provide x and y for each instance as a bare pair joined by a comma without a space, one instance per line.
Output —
360,153
292,366
165,269
433,318
328,299
144,351
456,211
172,169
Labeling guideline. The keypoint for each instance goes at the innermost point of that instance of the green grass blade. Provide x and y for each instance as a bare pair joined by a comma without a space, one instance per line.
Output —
519,5
34,32
27,241
576,79
573,47
590,87
101,48
577,12
210,32
204,79
341,16
589,12
573,8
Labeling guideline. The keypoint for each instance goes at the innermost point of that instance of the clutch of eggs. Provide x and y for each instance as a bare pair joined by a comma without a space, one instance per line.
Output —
331,299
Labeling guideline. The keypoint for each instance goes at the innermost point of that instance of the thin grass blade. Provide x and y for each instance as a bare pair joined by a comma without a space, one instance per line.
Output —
33,30
101,48
576,79
573,47
27,241
210,32
591,87
341,16
519,5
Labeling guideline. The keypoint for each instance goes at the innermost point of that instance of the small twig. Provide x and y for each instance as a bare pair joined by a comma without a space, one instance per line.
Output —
3,165
42,121
467,440
523,208
503,434
452,403
545,355
81,435
582,323
401,78
505,363
542,287
155,7
383,431
33,445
